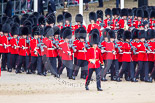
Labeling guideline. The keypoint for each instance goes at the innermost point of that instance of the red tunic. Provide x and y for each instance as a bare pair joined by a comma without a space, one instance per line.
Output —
51,49
13,43
82,51
142,55
94,54
26,51
126,53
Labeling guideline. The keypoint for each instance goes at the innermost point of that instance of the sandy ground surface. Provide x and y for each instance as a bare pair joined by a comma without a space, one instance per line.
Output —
23,88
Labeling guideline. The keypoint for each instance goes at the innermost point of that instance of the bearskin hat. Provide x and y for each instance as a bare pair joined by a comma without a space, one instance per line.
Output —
124,12
82,33
15,30
56,30
130,13
108,12
120,33
35,30
150,34
60,18
24,30
94,37
68,16
51,18
152,14
141,34
127,35
92,16
79,18
99,14
67,33
6,28
41,20
111,34
135,33
140,13
115,11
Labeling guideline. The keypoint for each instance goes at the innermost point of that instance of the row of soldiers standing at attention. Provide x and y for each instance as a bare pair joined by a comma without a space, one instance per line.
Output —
124,42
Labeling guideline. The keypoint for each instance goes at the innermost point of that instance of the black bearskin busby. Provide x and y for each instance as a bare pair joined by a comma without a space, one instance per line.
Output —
124,12
92,16
60,18
79,18
99,14
67,33
108,12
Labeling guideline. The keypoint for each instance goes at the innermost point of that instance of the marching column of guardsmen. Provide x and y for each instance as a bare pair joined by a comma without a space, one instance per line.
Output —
121,44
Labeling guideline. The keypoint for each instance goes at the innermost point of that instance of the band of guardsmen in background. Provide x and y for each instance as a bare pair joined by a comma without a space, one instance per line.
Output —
122,45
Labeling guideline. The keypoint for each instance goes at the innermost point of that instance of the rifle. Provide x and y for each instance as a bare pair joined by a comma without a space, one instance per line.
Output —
101,47
71,45
117,46
55,42
147,45
133,48
86,44
27,40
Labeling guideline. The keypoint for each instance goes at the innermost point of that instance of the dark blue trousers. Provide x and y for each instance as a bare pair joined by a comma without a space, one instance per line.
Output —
127,66
52,65
14,60
6,61
90,72
113,65
84,68
69,66
37,61
142,70
21,60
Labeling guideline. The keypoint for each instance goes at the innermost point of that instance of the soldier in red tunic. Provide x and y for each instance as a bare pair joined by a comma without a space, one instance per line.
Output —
24,51
94,58
111,60
108,20
143,49
67,53
36,55
81,55
5,39
126,58
92,19
14,49
79,22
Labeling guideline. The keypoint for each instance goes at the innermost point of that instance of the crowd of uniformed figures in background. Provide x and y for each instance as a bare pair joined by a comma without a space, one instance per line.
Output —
121,44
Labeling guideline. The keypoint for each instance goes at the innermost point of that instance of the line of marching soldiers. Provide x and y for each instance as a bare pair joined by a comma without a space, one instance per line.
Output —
124,42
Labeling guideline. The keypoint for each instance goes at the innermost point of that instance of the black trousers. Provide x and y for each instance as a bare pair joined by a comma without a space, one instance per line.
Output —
44,63
21,60
36,62
52,65
90,72
69,66
14,60
142,70
59,62
113,65
100,3
6,60
84,68
127,66
151,65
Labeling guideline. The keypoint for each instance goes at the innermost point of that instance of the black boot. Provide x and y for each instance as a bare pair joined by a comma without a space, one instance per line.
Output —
118,79
73,77
9,70
18,71
134,80
87,88
99,89
28,72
